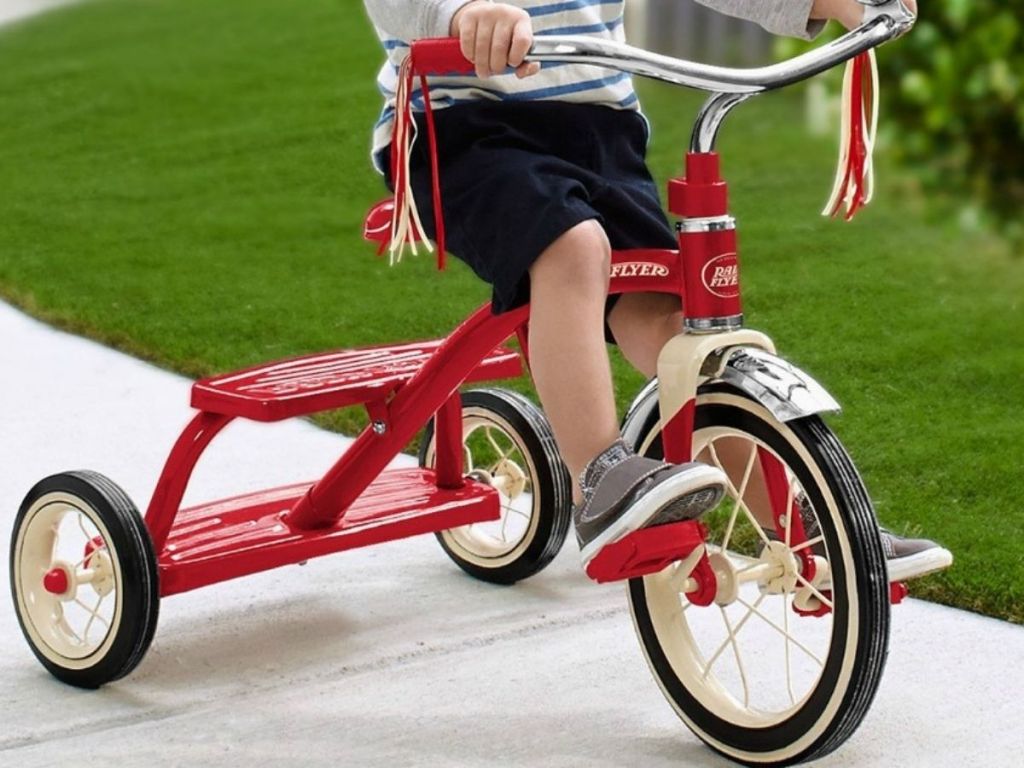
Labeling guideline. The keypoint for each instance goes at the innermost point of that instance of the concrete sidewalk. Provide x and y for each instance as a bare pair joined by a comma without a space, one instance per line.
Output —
390,655
13,10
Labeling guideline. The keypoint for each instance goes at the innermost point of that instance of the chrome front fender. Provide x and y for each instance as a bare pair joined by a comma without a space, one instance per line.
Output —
785,390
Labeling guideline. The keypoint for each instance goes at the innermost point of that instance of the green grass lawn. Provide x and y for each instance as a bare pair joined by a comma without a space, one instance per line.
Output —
187,180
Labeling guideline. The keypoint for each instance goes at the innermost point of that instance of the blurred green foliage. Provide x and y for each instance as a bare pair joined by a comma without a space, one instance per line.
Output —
960,73
959,113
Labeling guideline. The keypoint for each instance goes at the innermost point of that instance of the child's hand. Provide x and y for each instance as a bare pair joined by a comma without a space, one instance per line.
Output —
494,36
849,13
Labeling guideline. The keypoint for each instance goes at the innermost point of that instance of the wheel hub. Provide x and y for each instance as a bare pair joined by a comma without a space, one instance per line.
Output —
102,572
726,583
56,581
510,478
784,569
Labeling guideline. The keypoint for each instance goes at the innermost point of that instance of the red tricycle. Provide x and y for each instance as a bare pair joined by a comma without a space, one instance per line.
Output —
88,571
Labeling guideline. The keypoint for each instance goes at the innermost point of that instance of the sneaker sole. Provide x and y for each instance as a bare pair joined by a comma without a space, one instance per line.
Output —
921,564
684,497
912,566
903,568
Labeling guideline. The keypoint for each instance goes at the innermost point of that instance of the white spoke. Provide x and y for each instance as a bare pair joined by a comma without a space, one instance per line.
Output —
467,456
814,591
736,653
735,507
740,504
741,492
494,444
808,543
780,630
789,668
93,551
63,623
789,513
81,524
732,633
504,526
756,525
93,615
714,455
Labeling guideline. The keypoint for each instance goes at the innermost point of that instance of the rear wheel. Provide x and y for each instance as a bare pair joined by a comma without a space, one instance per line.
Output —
84,578
507,443
783,666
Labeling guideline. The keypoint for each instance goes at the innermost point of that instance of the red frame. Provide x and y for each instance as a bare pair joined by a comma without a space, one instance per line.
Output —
402,386
356,502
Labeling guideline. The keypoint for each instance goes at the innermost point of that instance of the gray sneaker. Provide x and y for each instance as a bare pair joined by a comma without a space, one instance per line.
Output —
623,492
913,558
904,558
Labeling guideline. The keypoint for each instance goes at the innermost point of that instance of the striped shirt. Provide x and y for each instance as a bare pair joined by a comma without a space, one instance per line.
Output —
398,21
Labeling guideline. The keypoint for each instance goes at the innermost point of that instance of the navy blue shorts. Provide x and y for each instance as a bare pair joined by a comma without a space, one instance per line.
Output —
515,176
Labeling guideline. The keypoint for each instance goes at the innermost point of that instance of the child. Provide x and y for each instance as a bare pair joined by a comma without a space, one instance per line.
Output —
546,169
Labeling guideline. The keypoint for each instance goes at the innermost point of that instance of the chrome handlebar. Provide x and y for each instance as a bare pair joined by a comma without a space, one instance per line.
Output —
882,22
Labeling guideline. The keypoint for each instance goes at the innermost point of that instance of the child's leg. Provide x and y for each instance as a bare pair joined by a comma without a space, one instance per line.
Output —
642,323
568,357
620,492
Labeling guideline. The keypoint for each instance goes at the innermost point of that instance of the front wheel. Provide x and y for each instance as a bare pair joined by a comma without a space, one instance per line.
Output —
784,664
84,578
507,443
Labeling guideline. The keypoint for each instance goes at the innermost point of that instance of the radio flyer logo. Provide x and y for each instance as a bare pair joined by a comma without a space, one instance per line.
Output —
721,276
639,269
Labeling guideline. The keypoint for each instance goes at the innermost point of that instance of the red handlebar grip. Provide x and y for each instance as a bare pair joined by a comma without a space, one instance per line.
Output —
439,56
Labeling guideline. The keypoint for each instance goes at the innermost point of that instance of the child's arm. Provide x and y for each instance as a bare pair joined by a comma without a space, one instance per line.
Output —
413,19
849,13
494,36
795,18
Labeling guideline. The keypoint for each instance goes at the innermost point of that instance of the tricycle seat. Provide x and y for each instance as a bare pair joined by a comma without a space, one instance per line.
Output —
320,382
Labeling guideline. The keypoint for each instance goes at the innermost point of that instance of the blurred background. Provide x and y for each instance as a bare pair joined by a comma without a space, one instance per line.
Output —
186,181
691,31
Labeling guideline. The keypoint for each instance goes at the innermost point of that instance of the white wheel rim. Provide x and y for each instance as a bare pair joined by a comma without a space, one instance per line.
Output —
510,468
76,629
718,653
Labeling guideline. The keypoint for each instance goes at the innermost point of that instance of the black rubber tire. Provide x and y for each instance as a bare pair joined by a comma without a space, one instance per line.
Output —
527,427
127,541
841,696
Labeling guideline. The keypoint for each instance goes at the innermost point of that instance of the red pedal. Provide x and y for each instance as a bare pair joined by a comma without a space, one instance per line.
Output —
821,610
646,551
898,592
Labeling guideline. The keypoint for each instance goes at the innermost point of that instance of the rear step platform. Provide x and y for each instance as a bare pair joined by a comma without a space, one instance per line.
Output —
246,534
313,383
